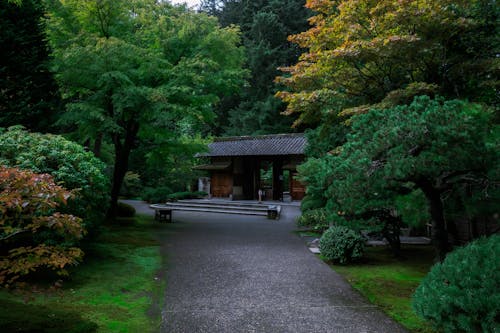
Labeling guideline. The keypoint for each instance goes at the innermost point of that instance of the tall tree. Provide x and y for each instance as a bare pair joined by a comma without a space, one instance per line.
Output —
28,91
212,7
265,26
429,145
139,70
362,53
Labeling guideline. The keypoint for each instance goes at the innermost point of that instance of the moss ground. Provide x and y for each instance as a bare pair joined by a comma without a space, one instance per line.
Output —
112,291
389,282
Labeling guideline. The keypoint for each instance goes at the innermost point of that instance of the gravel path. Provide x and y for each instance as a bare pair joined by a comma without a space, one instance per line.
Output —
230,273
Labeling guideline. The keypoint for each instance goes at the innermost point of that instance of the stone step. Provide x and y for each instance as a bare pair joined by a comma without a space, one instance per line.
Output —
261,208
225,203
210,210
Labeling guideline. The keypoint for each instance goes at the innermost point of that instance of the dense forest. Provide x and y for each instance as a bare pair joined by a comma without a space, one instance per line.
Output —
105,99
264,26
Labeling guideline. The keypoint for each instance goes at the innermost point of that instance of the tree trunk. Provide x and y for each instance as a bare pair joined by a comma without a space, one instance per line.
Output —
98,145
122,153
436,209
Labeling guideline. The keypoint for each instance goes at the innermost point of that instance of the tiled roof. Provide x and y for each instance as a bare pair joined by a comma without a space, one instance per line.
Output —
275,144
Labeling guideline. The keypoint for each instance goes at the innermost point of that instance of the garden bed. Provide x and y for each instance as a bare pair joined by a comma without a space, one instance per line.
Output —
112,291
389,282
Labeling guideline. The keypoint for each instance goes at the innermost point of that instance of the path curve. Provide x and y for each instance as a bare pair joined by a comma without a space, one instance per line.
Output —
233,274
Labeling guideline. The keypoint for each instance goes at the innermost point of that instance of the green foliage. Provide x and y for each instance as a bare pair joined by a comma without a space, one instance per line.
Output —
461,294
264,25
170,163
28,90
341,244
364,54
33,235
156,194
102,289
132,185
187,195
153,85
413,208
389,282
125,210
312,173
431,145
69,164
394,149
315,219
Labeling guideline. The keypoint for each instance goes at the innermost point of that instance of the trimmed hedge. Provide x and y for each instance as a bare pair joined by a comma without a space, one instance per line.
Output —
186,195
341,244
157,194
462,294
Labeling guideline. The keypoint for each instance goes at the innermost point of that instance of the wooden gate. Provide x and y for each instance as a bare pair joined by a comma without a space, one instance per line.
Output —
222,185
297,189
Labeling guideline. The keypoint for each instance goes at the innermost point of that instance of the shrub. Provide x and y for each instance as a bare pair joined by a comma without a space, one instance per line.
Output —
69,164
315,219
33,235
187,195
341,244
462,294
158,194
125,210
131,186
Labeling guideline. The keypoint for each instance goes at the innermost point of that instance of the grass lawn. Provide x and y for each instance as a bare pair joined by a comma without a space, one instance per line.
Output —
389,282
116,289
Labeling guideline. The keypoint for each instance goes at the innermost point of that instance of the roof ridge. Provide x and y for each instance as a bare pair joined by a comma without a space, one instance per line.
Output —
258,137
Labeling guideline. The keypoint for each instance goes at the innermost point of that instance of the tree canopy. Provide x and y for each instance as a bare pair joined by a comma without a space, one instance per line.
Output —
28,91
265,26
429,145
365,53
375,152
135,70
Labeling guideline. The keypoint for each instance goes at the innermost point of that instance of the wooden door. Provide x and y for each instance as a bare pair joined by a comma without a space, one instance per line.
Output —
297,189
222,185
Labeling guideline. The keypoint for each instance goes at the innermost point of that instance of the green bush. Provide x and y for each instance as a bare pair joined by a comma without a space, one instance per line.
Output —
341,244
163,194
125,210
69,164
462,294
187,195
315,219
156,194
131,187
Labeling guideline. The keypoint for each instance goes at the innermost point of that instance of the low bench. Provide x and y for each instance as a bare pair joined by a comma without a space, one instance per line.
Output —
163,214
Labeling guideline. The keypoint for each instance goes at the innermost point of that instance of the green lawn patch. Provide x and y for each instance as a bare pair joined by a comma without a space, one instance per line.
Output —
389,282
112,291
